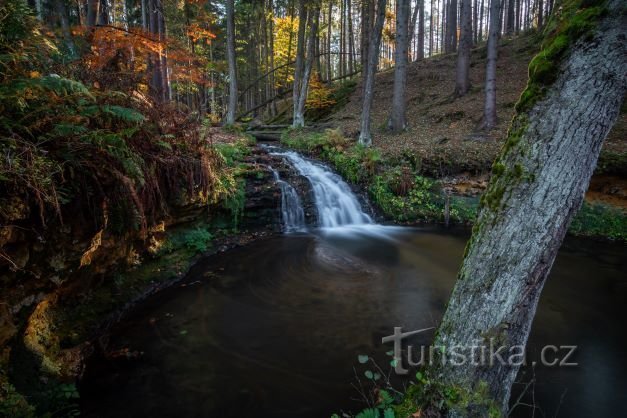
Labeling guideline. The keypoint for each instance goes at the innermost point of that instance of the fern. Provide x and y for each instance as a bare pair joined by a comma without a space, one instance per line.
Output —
124,113
64,86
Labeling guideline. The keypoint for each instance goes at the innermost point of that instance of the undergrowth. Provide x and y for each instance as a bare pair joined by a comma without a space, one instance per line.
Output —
405,196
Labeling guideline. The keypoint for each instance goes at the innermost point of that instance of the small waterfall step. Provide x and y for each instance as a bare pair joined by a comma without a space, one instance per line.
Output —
335,202
292,213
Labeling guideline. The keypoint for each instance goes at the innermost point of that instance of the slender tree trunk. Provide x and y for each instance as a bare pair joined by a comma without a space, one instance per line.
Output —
351,37
537,187
431,22
510,17
397,122
64,18
273,109
300,57
451,16
329,31
412,22
289,45
92,12
163,57
299,116
462,78
481,22
540,14
230,52
489,111
371,68
421,30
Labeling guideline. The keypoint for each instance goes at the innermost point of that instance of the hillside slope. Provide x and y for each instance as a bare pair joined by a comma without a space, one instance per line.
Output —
442,136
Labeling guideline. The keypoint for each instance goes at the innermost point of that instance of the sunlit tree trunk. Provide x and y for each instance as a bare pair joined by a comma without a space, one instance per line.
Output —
537,186
462,77
365,137
397,122
299,115
230,52
300,57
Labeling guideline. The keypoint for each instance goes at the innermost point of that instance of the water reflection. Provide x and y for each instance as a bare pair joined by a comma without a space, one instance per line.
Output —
273,329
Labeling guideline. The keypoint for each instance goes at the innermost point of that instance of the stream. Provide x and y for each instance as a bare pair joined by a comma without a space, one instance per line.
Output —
273,329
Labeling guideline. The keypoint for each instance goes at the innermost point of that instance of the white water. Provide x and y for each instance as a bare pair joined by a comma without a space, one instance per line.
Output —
336,203
292,213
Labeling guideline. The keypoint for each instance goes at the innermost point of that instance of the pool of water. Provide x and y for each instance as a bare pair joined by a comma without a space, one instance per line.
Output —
274,329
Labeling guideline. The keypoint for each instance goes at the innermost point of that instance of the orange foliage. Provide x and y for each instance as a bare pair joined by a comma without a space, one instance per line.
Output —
197,33
131,50
319,96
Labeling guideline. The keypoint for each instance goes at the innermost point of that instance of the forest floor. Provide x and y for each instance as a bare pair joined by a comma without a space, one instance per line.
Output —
442,134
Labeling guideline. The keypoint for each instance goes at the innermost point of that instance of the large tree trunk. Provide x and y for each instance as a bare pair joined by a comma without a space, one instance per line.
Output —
371,69
397,122
300,57
462,78
299,113
537,186
489,111
230,52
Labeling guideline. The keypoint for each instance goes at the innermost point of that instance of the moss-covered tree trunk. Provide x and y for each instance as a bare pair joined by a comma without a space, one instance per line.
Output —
576,86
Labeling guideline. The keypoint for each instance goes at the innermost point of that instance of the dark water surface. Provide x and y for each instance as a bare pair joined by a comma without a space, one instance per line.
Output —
274,329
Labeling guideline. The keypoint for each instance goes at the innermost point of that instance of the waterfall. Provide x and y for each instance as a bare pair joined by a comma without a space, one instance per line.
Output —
336,203
292,213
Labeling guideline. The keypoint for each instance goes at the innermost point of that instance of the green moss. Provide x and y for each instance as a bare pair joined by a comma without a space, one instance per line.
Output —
498,169
600,220
574,21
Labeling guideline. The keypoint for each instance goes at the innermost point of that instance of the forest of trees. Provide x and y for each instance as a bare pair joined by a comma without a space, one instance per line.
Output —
248,58
109,110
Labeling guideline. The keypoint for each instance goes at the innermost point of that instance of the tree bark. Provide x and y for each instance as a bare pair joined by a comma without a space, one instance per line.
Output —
462,77
329,29
421,31
299,113
397,122
300,56
230,51
92,12
413,21
351,37
489,111
371,68
511,7
538,185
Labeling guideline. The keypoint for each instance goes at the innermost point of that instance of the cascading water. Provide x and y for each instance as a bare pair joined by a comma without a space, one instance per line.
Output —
336,203
292,213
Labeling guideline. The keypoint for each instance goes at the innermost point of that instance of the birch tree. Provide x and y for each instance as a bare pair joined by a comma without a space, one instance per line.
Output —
365,137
